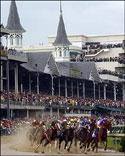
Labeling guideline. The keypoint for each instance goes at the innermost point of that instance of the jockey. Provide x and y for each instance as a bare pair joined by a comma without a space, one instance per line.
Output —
64,124
69,124
72,123
53,124
91,119
82,123
100,123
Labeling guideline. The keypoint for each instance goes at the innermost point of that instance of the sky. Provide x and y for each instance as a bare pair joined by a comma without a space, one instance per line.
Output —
40,18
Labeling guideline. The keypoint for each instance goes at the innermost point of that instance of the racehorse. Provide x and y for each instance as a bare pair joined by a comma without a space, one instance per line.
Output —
101,136
31,133
93,126
82,135
67,135
49,135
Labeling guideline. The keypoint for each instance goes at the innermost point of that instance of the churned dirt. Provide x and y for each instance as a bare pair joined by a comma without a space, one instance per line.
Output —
21,143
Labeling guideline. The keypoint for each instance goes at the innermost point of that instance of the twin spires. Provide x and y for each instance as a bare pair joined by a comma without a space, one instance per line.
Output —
61,38
13,23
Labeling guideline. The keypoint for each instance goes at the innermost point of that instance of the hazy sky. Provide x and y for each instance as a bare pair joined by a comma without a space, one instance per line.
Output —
40,18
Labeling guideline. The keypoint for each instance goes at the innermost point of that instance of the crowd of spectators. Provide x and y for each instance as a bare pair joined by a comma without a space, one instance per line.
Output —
49,100
81,58
94,48
114,73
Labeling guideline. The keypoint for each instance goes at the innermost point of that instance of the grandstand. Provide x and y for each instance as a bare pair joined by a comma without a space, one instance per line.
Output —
44,80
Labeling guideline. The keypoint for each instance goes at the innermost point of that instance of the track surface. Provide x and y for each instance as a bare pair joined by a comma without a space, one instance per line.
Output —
8,147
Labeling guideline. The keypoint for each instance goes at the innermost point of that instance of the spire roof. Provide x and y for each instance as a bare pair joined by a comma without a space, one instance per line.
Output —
3,30
13,23
61,38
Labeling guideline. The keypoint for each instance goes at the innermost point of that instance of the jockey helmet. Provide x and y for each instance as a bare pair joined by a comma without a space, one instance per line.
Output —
83,123
101,121
92,117
75,120
56,120
69,123
64,120
43,121
72,120
85,120
105,119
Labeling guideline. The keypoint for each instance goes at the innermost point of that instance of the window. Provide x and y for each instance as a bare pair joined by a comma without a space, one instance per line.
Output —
17,41
11,41
60,53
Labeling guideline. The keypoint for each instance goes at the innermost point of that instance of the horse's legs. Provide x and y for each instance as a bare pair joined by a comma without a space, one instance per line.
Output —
85,152
39,143
66,143
56,141
88,146
60,141
105,145
69,146
96,147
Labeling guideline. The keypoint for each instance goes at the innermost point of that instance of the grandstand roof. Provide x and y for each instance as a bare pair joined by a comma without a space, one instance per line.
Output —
45,63
37,61
13,23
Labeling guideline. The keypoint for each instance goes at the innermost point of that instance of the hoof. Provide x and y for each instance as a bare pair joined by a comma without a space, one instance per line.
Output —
68,149
58,152
85,152
42,151
88,149
36,151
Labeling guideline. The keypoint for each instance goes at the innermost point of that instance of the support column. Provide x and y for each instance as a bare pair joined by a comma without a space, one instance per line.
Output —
58,112
99,91
16,78
123,91
1,77
51,112
8,88
59,86
77,89
27,113
37,83
84,89
94,89
11,113
30,83
65,88
78,111
21,88
21,79
104,91
72,87
52,85
115,91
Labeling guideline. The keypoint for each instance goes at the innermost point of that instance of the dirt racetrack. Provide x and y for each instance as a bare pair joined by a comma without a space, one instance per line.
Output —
19,145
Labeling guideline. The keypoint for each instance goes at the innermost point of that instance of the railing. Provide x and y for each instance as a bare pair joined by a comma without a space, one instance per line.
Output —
64,106
116,129
121,76
12,52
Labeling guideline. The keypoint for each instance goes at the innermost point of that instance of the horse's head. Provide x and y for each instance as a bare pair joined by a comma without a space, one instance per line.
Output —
87,126
108,125
93,126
